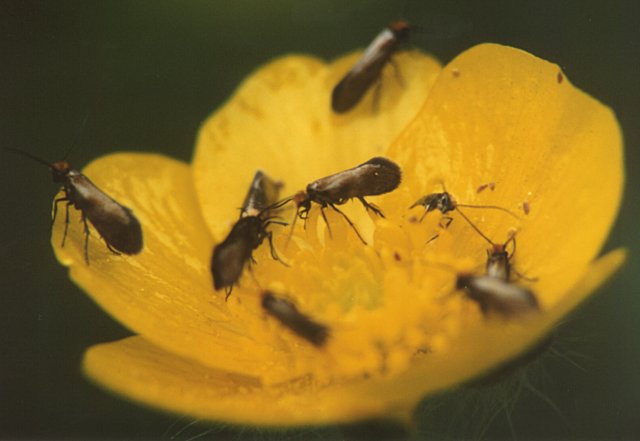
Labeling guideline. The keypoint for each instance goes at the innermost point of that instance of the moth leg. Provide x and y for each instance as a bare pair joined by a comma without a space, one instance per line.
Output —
523,277
350,223
377,89
511,239
445,221
86,237
274,255
398,73
326,221
434,237
284,224
371,207
55,209
426,211
227,291
66,223
304,215
269,235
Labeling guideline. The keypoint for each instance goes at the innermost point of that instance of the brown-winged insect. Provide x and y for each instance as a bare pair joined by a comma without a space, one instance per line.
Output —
375,177
232,254
445,203
496,295
499,263
494,291
302,325
499,260
263,192
117,225
352,87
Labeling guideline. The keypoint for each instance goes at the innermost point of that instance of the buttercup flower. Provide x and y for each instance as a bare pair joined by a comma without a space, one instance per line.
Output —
398,331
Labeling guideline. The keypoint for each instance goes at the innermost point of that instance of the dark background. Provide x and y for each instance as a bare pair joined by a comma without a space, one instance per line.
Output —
148,72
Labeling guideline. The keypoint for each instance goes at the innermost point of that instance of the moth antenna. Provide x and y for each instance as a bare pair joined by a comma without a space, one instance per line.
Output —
278,204
484,236
493,207
74,144
28,155
349,222
254,278
512,239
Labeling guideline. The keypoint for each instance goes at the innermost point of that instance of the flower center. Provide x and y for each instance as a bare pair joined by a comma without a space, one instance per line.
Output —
383,303
386,304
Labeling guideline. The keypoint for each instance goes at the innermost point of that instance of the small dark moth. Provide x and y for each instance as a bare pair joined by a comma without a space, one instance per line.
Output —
445,203
118,227
498,258
494,291
496,295
286,313
235,251
499,263
352,87
374,177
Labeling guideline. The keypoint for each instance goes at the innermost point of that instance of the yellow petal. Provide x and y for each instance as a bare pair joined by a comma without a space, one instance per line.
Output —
164,293
499,114
143,372
280,121
494,114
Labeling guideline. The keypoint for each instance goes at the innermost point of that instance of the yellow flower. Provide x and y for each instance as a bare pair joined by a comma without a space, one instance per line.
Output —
494,114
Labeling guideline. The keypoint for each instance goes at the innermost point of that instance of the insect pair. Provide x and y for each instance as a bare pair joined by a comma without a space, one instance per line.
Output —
494,291
256,215
117,225
374,177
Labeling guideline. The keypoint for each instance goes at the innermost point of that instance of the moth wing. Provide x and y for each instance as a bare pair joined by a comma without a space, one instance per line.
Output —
116,223
350,90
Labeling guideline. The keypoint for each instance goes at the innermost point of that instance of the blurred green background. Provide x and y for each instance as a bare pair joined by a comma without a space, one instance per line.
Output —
148,72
